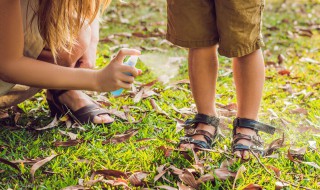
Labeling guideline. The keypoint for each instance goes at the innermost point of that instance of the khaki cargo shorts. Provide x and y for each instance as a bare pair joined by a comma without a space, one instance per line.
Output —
233,24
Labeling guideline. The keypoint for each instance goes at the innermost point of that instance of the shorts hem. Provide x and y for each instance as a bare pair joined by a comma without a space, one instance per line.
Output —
241,51
191,44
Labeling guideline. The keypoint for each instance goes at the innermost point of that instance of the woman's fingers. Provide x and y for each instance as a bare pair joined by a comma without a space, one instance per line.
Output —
123,53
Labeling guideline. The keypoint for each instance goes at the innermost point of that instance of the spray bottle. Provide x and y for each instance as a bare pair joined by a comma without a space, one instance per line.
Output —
132,61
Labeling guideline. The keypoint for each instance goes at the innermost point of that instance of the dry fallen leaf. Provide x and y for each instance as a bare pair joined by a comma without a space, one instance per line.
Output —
75,187
166,187
184,187
223,174
167,151
280,185
274,145
39,164
276,170
7,162
239,173
119,138
188,178
68,143
299,111
253,187
52,124
136,179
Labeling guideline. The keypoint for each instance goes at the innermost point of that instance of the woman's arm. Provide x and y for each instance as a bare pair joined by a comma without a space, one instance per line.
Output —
88,60
16,68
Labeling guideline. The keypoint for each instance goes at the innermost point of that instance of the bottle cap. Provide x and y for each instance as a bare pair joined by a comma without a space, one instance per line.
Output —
133,60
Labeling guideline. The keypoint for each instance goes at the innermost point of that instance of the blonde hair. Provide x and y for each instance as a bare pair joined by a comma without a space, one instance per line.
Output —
60,21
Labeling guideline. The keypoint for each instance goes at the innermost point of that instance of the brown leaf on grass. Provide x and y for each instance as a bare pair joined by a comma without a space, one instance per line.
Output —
253,187
281,58
188,178
136,179
7,162
183,81
274,145
68,143
52,124
304,32
167,151
271,63
109,173
312,164
146,139
290,157
144,92
37,165
184,187
299,111
166,187
227,113
117,182
150,83
161,171
223,174
284,72
3,115
119,138
157,108
183,111
287,88
280,185
117,113
17,116
239,173
205,178
228,162
176,170
275,169
71,135
231,106
298,153
75,187
179,125
27,161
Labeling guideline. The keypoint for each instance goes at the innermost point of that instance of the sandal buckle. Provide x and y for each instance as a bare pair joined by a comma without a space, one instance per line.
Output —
187,139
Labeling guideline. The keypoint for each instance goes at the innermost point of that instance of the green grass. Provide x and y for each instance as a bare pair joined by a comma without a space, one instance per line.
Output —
149,16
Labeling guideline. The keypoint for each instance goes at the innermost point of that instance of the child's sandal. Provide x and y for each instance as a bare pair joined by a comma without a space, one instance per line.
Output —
256,140
191,130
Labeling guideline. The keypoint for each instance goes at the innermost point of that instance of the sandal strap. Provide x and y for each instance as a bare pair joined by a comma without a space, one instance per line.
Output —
87,113
241,147
254,139
254,125
199,143
202,118
192,132
56,94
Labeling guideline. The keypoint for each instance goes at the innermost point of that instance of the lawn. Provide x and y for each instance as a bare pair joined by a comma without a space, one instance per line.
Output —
139,149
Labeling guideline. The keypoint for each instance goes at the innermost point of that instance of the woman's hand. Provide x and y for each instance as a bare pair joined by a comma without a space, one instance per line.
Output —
113,76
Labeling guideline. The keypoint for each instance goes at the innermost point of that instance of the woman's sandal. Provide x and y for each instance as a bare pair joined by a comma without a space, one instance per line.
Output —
191,130
82,116
256,140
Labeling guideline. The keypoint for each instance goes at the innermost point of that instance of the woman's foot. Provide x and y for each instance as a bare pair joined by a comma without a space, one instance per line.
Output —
75,100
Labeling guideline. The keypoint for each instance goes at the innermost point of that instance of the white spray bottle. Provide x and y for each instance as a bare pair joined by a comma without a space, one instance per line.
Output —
132,61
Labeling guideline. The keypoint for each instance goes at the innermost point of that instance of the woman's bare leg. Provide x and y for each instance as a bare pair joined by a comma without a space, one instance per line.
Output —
75,99
203,72
249,76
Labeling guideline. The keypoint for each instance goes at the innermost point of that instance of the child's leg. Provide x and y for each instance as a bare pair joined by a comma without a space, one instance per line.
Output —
249,75
203,67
